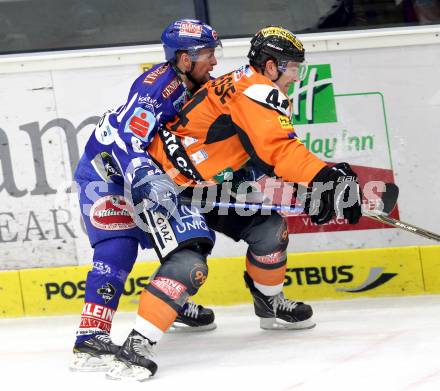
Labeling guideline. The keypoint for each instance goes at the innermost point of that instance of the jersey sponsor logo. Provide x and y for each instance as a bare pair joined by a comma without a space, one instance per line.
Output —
199,156
180,101
191,220
140,123
136,144
188,29
171,87
104,131
173,289
198,275
224,87
96,316
177,155
110,168
294,136
152,76
151,104
239,73
107,292
111,213
285,122
162,233
283,33
187,141
245,70
271,259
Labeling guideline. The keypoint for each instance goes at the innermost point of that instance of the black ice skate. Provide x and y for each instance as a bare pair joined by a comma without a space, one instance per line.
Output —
194,317
94,354
277,312
133,361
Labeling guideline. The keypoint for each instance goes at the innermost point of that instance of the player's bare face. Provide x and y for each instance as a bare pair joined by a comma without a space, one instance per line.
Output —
205,62
291,74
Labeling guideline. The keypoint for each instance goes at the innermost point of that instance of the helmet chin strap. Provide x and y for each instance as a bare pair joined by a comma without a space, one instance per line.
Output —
279,72
189,76
278,77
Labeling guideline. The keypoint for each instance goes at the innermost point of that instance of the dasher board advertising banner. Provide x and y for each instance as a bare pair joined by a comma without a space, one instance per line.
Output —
376,109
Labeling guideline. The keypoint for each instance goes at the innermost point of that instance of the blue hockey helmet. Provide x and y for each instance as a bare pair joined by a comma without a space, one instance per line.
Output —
189,35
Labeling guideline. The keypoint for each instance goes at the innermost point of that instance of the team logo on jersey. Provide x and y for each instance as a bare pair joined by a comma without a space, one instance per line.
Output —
107,292
285,122
111,213
140,123
188,29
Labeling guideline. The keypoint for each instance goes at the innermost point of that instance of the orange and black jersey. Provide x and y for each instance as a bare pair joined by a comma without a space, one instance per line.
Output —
236,117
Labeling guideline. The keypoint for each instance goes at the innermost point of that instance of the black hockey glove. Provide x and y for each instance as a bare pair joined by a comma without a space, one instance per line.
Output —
334,190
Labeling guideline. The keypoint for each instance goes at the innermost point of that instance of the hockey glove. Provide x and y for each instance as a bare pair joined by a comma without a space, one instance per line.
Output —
243,184
334,190
155,192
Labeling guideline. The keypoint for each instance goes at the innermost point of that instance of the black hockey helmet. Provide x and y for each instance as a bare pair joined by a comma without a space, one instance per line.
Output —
277,43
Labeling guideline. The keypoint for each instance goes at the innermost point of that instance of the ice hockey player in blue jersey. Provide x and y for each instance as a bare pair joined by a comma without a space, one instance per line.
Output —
113,153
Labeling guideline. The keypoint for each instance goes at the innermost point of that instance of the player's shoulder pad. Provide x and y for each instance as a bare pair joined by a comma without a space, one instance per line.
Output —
269,97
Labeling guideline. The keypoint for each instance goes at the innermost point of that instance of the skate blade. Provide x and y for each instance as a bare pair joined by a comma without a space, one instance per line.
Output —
178,327
85,362
121,371
279,324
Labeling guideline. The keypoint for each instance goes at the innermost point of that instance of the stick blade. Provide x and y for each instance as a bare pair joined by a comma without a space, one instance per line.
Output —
389,197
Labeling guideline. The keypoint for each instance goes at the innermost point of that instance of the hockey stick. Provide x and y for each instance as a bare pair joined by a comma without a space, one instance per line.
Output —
389,200
383,218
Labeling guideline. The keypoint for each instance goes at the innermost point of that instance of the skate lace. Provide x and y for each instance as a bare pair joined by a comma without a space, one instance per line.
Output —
192,310
143,346
104,338
281,303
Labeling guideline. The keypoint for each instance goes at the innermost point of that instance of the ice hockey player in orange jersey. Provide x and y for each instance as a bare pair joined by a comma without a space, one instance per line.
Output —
238,123
240,116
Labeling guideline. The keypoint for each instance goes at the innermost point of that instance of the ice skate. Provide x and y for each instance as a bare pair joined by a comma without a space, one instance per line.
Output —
194,317
133,361
94,354
277,312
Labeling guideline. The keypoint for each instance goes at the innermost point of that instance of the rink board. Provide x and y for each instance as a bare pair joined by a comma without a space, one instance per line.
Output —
11,303
320,275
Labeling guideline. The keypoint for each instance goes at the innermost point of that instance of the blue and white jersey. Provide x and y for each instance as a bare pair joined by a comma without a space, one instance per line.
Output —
121,137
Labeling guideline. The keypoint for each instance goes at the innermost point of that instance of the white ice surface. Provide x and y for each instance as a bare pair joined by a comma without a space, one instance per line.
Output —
365,344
